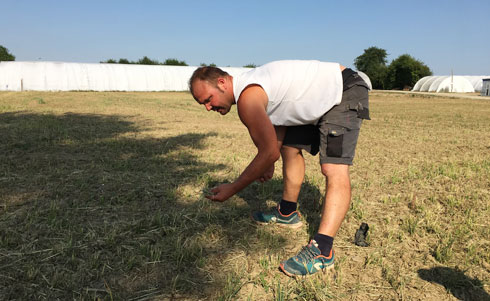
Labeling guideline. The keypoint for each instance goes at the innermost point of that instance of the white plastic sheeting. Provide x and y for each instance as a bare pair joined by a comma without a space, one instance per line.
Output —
420,83
60,76
447,83
443,83
366,79
476,81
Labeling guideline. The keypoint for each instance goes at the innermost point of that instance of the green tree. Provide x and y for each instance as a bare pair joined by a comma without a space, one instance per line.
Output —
373,63
124,61
5,55
147,61
405,71
250,66
174,62
110,61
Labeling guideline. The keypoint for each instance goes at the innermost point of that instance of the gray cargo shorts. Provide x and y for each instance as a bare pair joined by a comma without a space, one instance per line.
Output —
335,135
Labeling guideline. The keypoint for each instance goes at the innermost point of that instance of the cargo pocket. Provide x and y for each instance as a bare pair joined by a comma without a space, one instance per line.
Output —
335,140
357,97
358,100
361,110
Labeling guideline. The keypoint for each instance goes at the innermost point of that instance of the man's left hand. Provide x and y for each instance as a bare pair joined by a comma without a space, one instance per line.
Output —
221,193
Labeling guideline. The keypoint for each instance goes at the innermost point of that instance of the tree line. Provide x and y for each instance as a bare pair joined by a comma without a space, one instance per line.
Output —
147,61
174,62
402,73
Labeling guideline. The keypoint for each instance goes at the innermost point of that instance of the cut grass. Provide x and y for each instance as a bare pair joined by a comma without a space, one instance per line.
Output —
102,196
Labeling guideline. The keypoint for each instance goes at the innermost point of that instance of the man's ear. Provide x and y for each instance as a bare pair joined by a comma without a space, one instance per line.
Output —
221,83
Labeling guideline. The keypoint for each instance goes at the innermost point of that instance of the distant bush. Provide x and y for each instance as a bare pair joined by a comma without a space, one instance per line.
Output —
401,73
250,66
147,61
373,63
210,65
124,61
174,62
405,71
5,55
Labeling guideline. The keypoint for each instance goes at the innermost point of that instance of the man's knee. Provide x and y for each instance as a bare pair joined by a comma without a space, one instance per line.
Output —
289,151
331,171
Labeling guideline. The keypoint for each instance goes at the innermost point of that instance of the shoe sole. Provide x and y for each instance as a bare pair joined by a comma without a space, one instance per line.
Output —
291,226
281,266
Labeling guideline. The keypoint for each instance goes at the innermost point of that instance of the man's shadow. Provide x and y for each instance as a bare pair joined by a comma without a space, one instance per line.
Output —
87,196
87,202
455,281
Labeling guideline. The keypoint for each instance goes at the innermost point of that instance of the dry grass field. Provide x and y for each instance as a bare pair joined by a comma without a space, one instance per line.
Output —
101,197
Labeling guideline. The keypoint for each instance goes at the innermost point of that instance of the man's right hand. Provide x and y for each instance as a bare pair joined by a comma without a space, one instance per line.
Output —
267,175
222,192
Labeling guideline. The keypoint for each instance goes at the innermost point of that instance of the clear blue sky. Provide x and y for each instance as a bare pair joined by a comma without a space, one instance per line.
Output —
445,35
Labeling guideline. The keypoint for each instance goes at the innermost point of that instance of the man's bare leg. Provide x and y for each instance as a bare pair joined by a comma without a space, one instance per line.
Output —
293,170
337,198
336,205
293,174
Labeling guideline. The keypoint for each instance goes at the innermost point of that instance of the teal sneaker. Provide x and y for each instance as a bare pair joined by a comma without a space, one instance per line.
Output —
308,261
291,220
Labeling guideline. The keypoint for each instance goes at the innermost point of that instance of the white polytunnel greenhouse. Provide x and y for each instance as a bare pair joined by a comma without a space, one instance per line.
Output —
366,79
450,83
61,76
476,81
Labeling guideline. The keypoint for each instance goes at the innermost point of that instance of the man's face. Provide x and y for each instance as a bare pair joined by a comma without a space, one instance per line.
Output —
212,97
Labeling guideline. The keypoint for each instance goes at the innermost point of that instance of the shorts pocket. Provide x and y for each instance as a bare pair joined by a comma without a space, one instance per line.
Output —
335,140
358,101
361,111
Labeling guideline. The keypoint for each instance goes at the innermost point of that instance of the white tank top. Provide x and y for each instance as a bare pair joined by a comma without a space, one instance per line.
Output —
299,92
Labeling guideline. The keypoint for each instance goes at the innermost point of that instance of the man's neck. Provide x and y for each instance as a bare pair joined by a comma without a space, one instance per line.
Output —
232,89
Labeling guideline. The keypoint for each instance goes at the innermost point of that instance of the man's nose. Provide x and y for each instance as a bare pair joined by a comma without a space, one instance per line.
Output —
208,106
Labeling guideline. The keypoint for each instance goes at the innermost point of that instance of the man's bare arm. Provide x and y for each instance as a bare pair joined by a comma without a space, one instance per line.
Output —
252,112
269,173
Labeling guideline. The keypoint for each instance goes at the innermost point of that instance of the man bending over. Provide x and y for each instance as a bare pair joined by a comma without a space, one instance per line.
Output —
290,106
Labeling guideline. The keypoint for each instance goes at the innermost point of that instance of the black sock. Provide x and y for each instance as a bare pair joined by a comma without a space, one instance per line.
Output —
286,207
324,242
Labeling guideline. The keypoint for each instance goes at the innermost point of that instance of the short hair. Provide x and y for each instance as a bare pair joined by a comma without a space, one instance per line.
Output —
207,73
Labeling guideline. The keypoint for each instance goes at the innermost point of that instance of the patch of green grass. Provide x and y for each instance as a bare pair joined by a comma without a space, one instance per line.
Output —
443,252
410,225
356,208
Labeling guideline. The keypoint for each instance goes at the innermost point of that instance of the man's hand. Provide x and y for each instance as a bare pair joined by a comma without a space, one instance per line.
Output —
267,175
221,193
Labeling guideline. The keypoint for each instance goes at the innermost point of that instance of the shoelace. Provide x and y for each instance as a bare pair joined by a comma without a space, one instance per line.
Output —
306,254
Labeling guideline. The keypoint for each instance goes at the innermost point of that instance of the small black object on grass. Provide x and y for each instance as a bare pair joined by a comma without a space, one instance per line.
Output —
361,235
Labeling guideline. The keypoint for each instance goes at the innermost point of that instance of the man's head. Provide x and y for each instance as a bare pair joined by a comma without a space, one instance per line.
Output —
213,88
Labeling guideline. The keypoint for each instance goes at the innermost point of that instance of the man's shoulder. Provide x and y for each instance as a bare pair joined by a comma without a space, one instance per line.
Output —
252,96
252,92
